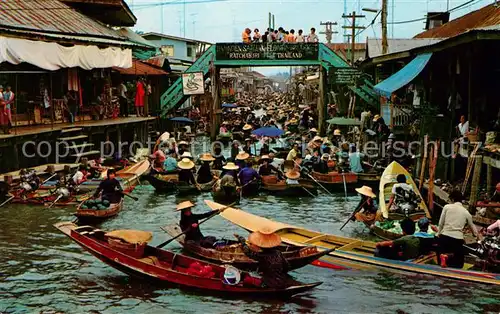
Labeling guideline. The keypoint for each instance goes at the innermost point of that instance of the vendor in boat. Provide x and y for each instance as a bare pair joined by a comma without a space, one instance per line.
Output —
321,165
241,158
403,197
182,147
189,224
454,218
96,167
220,160
263,247
248,146
355,158
80,176
264,150
367,208
204,174
229,177
158,158
267,169
170,164
405,248
247,128
248,174
186,175
29,180
292,177
110,188
294,152
235,149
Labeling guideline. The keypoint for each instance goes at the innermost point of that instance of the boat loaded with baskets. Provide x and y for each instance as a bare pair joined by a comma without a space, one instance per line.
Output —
128,251
230,252
98,210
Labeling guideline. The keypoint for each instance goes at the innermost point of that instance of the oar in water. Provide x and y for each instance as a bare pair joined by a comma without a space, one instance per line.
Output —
316,181
8,200
57,199
128,195
354,213
345,186
243,186
188,229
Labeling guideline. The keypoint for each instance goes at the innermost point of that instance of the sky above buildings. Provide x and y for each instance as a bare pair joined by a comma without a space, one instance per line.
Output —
224,20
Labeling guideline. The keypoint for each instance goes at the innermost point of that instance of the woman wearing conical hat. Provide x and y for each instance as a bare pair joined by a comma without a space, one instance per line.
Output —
204,174
189,221
262,246
186,175
367,208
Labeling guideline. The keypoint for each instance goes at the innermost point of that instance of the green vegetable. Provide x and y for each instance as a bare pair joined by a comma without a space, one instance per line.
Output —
85,207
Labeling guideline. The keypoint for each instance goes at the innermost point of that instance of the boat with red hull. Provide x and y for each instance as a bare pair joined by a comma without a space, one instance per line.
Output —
169,267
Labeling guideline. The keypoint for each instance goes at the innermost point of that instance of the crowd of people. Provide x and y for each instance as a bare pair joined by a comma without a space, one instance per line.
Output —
279,35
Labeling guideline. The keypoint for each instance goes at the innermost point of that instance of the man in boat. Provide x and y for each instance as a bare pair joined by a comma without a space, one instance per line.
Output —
186,175
367,208
110,187
355,158
248,146
183,146
405,248
189,223
29,180
204,174
294,152
403,197
266,169
273,266
321,165
453,219
247,175
219,158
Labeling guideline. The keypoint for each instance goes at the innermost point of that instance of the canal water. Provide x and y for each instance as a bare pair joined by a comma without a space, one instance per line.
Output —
41,270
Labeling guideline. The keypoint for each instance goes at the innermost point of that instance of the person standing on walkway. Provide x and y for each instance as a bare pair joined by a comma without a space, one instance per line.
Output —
140,93
122,89
300,37
8,97
312,38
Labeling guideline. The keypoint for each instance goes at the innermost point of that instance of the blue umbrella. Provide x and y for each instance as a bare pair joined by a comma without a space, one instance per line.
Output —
181,119
229,106
268,131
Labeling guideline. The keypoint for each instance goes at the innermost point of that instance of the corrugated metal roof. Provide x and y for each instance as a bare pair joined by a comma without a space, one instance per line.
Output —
396,45
50,16
141,68
484,17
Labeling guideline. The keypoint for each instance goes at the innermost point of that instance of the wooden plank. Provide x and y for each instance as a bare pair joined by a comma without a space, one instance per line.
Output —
316,239
351,246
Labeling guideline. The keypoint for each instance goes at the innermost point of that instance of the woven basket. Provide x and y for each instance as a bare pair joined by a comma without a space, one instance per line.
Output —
473,137
134,250
269,179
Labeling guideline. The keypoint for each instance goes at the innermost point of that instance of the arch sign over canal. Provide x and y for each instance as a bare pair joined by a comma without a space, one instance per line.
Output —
264,54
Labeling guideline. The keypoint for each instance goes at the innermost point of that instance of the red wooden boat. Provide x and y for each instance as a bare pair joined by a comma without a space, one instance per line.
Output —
334,181
232,253
166,266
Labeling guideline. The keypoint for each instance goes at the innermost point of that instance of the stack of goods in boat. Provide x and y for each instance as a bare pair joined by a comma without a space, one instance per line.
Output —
98,209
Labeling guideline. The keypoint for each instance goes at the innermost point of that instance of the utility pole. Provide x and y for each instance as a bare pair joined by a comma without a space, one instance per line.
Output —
353,28
328,30
384,26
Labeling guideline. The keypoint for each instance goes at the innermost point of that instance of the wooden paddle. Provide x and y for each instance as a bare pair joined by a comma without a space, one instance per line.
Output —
188,229
354,213
316,181
128,195
8,200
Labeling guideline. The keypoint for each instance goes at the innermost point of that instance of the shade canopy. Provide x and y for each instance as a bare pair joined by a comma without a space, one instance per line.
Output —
268,131
403,76
344,121
181,119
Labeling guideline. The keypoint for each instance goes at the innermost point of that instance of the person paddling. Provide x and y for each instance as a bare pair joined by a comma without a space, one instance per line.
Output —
189,223
368,212
204,174
272,264
111,188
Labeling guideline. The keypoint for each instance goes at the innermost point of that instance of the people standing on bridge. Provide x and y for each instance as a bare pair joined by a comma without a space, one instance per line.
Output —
300,37
245,36
312,38
291,36
256,35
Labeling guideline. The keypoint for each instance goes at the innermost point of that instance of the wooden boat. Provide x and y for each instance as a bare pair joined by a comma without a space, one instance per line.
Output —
387,180
46,198
271,185
351,253
166,266
131,175
233,254
187,189
226,197
370,179
163,183
40,171
93,214
334,181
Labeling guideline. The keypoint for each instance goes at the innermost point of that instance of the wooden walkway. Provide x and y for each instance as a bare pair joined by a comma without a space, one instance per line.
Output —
37,129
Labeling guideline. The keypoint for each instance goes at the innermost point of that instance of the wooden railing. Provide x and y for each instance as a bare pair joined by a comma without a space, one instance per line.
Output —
400,115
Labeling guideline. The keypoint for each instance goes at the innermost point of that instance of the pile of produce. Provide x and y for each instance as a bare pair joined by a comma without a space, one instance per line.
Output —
97,204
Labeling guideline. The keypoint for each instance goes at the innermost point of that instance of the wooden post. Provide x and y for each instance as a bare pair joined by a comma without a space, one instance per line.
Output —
321,102
216,107
384,27
475,184
422,165
489,180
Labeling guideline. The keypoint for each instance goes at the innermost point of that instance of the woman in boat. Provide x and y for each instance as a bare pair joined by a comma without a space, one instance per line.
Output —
235,149
158,158
322,165
248,146
241,158
189,223
204,174
186,175
451,242
110,188
367,208
182,147
272,264
292,177
170,164
266,169
249,178
220,160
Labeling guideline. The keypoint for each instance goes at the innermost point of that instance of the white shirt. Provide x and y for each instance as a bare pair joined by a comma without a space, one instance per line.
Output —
188,129
453,220
299,39
123,91
312,38
404,186
292,182
463,128
78,177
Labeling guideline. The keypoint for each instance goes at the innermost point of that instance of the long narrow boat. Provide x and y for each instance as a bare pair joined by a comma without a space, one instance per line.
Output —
232,253
387,180
168,267
273,186
334,181
40,170
163,183
93,214
351,253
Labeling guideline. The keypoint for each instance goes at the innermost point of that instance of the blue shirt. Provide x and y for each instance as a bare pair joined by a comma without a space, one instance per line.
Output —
421,234
170,164
355,162
247,174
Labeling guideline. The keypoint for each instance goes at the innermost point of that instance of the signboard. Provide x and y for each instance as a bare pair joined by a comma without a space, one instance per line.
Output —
267,51
344,75
193,83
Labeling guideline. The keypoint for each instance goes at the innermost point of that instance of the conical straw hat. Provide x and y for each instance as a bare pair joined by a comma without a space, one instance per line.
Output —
367,191
242,156
207,157
230,166
292,174
265,238
184,205
185,164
